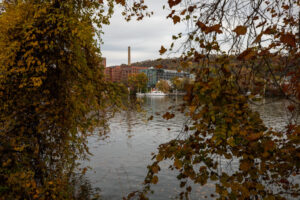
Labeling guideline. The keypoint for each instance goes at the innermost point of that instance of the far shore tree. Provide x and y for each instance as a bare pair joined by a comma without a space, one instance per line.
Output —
163,85
138,82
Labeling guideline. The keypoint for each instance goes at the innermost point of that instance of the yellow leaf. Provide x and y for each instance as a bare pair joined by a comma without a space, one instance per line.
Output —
230,141
154,180
37,81
192,109
178,164
159,157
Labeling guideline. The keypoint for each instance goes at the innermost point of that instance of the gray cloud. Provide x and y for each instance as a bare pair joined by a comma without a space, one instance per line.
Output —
145,37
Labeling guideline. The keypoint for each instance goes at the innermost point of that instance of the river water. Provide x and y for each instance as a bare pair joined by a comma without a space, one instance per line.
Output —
118,164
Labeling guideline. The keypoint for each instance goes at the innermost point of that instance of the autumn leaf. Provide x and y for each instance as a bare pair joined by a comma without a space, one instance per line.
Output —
201,25
240,30
247,54
288,39
291,107
177,164
258,38
215,28
159,157
168,116
255,136
173,2
150,118
154,179
176,19
286,7
122,2
155,169
162,50
245,165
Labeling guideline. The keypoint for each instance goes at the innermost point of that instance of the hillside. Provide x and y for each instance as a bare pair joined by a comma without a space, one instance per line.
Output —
169,63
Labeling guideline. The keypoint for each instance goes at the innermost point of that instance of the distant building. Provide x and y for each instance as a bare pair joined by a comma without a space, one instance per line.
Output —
113,74
121,73
103,61
154,75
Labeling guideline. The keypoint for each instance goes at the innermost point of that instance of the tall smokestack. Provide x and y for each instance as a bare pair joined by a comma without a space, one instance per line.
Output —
129,62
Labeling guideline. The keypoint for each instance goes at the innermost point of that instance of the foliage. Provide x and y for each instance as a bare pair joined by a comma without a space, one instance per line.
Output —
138,82
52,94
237,45
225,130
169,63
163,86
179,83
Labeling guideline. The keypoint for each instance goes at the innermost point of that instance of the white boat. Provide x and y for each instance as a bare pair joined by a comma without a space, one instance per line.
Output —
156,93
139,94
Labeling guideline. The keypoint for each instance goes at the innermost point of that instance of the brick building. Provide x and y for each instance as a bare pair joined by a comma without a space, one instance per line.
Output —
121,73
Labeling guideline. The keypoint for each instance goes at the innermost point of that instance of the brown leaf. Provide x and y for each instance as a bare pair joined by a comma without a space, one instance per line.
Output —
154,180
168,116
247,54
150,118
162,50
240,30
173,2
159,157
176,19
155,169
122,2
288,39
258,38
215,28
201,25
245,166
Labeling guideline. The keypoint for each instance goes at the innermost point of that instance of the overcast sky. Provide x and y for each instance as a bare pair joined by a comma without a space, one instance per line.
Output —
145,37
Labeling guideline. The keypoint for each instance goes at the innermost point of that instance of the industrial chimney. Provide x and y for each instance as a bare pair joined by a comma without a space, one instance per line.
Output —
129,62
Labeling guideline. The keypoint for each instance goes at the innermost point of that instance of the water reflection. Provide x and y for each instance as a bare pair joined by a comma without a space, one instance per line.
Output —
119,163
